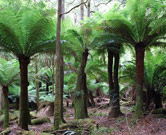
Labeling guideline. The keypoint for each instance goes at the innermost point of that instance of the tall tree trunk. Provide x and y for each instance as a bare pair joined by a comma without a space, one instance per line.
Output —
81,90
82,10
24,106
62,70
53,81
37,82
6,107
140,51
115,103
61,89
88,9
1,100
63,9
110,74
58,100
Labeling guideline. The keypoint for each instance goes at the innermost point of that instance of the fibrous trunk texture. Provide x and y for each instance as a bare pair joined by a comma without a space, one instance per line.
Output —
110,73
6,107
80,105
24,106
37,82
114,100
139,80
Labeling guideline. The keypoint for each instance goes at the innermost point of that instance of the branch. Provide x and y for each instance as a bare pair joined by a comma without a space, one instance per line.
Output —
74,7
103,3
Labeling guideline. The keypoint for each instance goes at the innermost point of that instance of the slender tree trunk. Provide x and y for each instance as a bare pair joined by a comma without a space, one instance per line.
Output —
140,51
115,103
81,90
6,107
63,9
37,82
1,100
82,11
24,107
58,100
61,89
53,81
62,70
88,9
110,74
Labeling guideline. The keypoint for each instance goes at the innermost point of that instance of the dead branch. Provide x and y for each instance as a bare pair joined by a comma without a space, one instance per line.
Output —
74,7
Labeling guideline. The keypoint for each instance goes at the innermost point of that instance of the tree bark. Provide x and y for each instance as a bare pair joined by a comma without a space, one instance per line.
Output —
80,105
37,82
63,9
88,9
140,51
82,11
62,70
115,103
61,89
110,74
6,107
1,100
24,107
58,100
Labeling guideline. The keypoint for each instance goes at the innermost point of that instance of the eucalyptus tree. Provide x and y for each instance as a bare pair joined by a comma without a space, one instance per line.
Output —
25,33
9,72
141,24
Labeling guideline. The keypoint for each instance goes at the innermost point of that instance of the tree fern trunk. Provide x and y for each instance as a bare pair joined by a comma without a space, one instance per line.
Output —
139,80
37,82
24,107
115,104
6,107
80,105
110,75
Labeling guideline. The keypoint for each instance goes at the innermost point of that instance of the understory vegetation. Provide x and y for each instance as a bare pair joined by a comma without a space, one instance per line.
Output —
83,67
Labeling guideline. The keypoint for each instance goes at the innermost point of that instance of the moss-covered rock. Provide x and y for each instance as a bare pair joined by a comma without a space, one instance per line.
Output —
33,114
40,121
5,132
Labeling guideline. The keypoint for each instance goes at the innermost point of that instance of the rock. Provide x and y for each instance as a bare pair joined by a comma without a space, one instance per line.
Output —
5,132
33,114
40,121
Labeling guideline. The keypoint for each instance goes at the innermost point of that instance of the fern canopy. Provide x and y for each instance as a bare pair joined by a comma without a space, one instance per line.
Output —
26,32
139,22
9,71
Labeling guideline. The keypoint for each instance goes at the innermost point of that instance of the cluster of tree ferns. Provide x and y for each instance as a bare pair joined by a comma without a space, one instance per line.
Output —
42,51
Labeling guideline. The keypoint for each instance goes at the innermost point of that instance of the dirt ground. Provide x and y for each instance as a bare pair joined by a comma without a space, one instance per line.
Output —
124,125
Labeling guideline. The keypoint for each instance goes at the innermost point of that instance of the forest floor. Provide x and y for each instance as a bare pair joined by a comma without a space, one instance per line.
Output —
124,125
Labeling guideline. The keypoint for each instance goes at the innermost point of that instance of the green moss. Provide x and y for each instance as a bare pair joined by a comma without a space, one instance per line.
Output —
40,121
